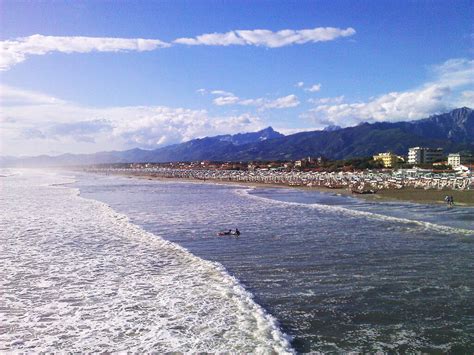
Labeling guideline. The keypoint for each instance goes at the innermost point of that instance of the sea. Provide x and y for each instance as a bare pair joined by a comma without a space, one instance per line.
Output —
97,263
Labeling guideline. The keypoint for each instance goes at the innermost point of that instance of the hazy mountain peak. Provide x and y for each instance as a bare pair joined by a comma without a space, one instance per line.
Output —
462,110
251,137
332,128
268,129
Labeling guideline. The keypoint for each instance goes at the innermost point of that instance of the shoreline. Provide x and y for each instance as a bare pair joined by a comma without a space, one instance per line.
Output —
461,198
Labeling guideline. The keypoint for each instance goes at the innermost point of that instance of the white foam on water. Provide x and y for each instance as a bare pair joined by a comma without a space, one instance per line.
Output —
77,276
338,209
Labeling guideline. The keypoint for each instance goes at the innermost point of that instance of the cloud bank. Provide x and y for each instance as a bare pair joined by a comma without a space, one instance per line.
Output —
35,121
437,96
267,38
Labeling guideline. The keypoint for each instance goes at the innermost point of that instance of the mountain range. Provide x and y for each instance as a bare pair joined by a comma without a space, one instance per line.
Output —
452,131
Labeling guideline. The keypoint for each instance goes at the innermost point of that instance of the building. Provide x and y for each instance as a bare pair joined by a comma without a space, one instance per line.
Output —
419,155
388,159
415,155
252,166
440,164
456,159
465,170
301,163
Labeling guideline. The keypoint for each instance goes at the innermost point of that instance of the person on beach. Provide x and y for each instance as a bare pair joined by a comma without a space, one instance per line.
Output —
449,200
446,199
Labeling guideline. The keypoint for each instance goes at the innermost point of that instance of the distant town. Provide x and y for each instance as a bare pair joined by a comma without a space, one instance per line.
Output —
423,167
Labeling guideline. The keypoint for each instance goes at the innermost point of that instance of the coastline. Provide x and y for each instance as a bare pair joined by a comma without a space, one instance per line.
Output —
461,198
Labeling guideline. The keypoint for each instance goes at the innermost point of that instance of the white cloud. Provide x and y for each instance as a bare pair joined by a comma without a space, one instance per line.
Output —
226,100
260,102
455,72
283,102
437,96
267,38
16,51
327,100
156,126
222,93
466,99
314,88
39,126
263,104
394,106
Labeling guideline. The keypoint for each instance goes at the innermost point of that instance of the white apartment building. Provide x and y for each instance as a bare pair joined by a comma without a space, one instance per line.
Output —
420,155
414,155
456,159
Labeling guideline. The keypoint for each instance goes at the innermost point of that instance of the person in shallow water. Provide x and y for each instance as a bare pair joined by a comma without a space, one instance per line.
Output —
230,232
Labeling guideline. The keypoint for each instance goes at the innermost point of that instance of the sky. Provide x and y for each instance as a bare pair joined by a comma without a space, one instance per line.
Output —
88,76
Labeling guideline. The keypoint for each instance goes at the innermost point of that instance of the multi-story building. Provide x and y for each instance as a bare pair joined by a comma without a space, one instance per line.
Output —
388,159
415,155
420,155
456,159
432,155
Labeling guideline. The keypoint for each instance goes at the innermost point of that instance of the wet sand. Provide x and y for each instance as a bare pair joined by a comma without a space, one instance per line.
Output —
429,196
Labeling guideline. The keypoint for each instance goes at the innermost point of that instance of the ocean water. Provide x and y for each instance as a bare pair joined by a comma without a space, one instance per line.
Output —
77,276
338,273
134,264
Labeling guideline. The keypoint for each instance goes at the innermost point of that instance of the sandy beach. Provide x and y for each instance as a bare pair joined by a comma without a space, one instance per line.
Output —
463,198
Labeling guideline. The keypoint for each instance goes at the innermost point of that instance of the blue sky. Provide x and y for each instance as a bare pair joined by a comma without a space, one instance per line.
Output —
90,76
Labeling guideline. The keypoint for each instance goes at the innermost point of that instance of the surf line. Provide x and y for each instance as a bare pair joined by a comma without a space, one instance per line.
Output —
325,208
